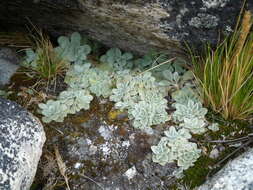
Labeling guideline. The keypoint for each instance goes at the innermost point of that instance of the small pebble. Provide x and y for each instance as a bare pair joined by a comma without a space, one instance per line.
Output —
131,172
214,153
77,165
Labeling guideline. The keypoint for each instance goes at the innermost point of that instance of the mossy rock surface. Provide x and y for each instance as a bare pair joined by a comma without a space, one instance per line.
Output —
109,152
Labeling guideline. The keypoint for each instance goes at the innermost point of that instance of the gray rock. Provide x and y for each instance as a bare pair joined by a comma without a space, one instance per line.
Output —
113,156
8,65
236,175
9,55
21,140
133,25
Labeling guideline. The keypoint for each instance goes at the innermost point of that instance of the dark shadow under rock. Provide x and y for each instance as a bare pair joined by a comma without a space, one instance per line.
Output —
137,26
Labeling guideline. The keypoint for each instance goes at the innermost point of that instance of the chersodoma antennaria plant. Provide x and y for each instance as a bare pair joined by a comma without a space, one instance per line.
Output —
141,93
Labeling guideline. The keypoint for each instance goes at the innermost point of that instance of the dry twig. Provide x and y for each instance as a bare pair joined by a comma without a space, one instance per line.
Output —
61,165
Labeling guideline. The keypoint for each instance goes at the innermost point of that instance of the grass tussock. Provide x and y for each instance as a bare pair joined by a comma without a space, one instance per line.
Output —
226,73
48,65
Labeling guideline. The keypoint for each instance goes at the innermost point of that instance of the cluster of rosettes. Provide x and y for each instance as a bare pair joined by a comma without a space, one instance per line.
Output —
141,94
190,119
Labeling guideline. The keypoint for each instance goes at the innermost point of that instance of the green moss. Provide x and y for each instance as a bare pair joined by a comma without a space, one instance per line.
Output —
196,175
228,128
35,186
205,166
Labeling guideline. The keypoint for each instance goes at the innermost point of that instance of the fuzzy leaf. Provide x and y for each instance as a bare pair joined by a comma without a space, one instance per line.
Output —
214,127
189,110
173,135
71,49
194,125
116,60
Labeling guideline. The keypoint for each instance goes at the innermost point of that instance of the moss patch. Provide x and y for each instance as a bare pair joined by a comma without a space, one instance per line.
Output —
206,166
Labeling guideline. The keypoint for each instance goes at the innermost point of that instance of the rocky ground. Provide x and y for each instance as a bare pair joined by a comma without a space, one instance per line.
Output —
105,153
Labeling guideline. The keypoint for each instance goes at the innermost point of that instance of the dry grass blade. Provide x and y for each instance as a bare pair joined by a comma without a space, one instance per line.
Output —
159,65
246,25
61,165
84,176
15,39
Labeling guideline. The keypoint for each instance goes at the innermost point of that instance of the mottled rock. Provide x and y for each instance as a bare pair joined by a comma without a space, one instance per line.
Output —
110,156
8,65
130,173
236,175
21,140
135,25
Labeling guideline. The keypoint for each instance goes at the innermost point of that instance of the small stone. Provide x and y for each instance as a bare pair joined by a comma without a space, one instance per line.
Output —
93,149
105,132
126,143
214,153
130,173
105,148
77,165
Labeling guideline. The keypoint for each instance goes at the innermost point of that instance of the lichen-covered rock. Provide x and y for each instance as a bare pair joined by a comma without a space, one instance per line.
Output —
236,175
135,25
104,154
21,140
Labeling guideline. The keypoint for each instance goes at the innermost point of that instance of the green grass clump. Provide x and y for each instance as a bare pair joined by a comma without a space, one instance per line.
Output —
49,64
44,64
225,74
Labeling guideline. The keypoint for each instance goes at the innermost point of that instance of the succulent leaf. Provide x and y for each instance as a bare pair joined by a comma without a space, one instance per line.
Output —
214,127
194,125
68,102
189,110
117,60
71,48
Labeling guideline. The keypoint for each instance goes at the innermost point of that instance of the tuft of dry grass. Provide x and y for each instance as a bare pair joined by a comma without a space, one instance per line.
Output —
15,39
226,73
48,65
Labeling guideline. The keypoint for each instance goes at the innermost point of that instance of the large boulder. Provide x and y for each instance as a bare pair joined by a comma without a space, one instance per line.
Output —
21,140
135,25
236,175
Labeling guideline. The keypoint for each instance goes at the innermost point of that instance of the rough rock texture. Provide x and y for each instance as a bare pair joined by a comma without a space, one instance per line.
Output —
236,175
21,140
8,65
104,154
136,25
115,161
